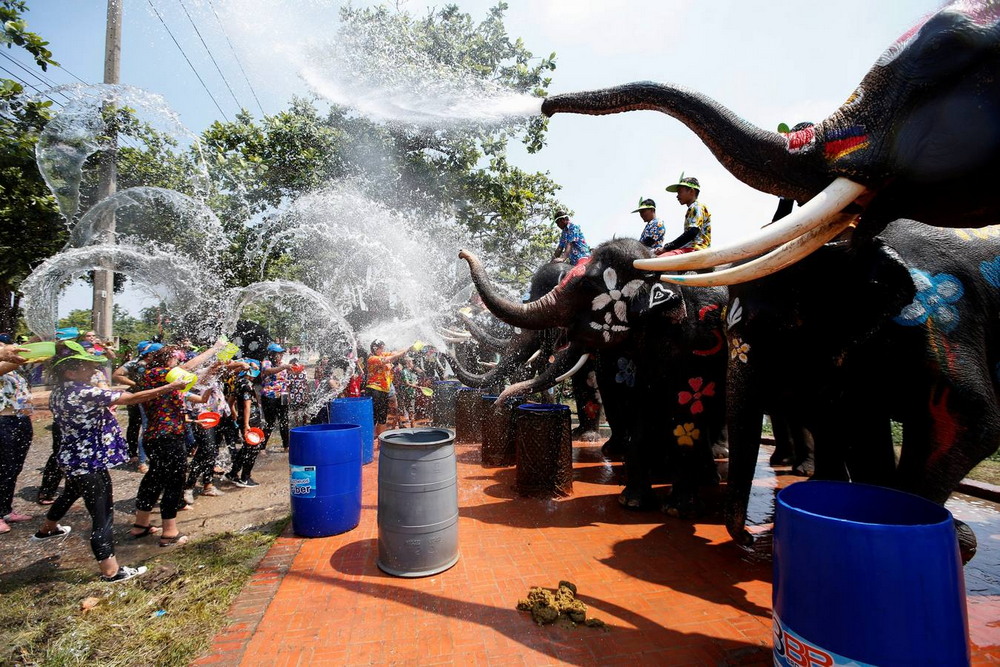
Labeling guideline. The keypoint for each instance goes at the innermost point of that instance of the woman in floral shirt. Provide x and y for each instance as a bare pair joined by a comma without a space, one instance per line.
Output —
165,441
15,435
91,443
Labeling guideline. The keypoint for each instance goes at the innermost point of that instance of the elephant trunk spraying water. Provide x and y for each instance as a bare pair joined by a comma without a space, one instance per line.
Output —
921,126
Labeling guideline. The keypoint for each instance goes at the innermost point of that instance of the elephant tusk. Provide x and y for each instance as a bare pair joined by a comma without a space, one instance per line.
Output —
579,364
455,334
811,215
774,261
452,339
533,357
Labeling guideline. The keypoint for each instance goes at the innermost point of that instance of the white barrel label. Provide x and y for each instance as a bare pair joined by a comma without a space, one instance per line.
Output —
303,481
791,650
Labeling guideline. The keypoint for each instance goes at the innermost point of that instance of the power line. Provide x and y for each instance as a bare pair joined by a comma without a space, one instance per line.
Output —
212,57
190,64
231,48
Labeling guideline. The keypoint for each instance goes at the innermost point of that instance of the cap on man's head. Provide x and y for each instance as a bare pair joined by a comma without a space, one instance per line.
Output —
686,181
6,339
559,215
376,344
645,203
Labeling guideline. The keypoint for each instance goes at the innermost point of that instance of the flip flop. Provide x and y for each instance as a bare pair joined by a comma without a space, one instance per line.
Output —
175,541
146,531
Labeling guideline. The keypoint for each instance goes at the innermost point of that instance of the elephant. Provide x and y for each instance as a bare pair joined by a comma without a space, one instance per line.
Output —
919,138
660,362
526,352
904,328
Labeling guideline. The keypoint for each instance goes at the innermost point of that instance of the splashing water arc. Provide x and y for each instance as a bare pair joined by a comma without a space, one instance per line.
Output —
306,316
154,218
162,274
79,130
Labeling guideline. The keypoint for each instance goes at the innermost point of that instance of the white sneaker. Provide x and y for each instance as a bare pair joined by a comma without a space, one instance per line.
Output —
124,574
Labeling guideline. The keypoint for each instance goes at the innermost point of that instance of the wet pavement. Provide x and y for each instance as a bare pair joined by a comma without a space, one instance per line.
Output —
672,592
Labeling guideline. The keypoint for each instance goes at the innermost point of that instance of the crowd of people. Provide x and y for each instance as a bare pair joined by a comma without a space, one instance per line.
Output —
194,423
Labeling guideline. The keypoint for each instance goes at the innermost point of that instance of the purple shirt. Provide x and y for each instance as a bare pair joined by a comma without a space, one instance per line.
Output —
89,435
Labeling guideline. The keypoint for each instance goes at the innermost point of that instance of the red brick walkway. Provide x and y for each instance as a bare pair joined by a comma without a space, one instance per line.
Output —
672,592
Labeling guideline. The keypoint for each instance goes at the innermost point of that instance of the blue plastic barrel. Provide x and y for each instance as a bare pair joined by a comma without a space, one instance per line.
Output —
866,575
357,411
325,479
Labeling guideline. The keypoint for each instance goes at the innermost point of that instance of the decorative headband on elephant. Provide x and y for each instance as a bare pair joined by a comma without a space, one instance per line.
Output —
919,138
660,362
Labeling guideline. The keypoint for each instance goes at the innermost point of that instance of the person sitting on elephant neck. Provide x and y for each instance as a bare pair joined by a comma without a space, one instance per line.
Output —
697,233
654,231
572,245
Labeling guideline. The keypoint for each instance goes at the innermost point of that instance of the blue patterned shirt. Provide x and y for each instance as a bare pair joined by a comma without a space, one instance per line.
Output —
652,234
572,238
90,437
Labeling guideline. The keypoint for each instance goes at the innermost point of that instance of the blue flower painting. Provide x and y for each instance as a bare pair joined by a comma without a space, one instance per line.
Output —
935,299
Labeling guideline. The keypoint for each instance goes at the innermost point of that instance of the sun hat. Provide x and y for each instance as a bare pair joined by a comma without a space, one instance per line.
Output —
274,347
686,181
73,350
645,203
150,348
67,333
254,369
559,215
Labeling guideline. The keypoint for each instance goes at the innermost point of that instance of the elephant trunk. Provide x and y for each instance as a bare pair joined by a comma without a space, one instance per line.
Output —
483,336
548,311
566,362
512,357
470,379
761,159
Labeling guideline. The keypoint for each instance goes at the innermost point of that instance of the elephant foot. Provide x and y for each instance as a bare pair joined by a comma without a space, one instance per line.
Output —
967,542
589,435
804,468
780,460
613,450
637,500
687,507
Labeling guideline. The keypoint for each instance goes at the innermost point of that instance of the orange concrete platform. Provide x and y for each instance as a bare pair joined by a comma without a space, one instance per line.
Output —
672,592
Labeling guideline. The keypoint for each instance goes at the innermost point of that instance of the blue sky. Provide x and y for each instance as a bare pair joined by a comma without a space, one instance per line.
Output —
771,62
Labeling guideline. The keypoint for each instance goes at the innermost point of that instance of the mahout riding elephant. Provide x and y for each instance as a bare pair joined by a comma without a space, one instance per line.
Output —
526,352
905,328
661,362
918,139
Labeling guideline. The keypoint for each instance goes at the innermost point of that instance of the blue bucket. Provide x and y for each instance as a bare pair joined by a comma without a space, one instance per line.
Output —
325,480
866,575
357,411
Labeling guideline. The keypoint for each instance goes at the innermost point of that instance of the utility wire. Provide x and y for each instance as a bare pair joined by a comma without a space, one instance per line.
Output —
212,57
45,80
190,64
233,49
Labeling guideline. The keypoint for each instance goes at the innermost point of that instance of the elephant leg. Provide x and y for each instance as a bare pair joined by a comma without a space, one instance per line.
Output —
783,444
745,415
615,406
588,404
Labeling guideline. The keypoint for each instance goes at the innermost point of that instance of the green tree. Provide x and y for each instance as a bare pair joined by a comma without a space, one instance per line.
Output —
31,228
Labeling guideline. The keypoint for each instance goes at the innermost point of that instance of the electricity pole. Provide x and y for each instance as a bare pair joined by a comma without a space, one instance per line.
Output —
104,279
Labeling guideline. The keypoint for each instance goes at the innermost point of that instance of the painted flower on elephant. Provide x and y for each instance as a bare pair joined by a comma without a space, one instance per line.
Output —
735,313
686,434
626,372
738,349
591,408
616,317
934,300
699,389
991,271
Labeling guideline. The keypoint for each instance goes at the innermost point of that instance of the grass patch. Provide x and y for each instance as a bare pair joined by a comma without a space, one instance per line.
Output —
193,587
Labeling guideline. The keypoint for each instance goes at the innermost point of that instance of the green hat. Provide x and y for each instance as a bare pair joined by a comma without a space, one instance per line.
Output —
686,181
645,203
74,350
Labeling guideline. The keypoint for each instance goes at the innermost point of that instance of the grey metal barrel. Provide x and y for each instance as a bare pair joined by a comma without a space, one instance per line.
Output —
417,502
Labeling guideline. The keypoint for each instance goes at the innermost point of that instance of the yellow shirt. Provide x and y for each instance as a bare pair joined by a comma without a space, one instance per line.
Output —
379,373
